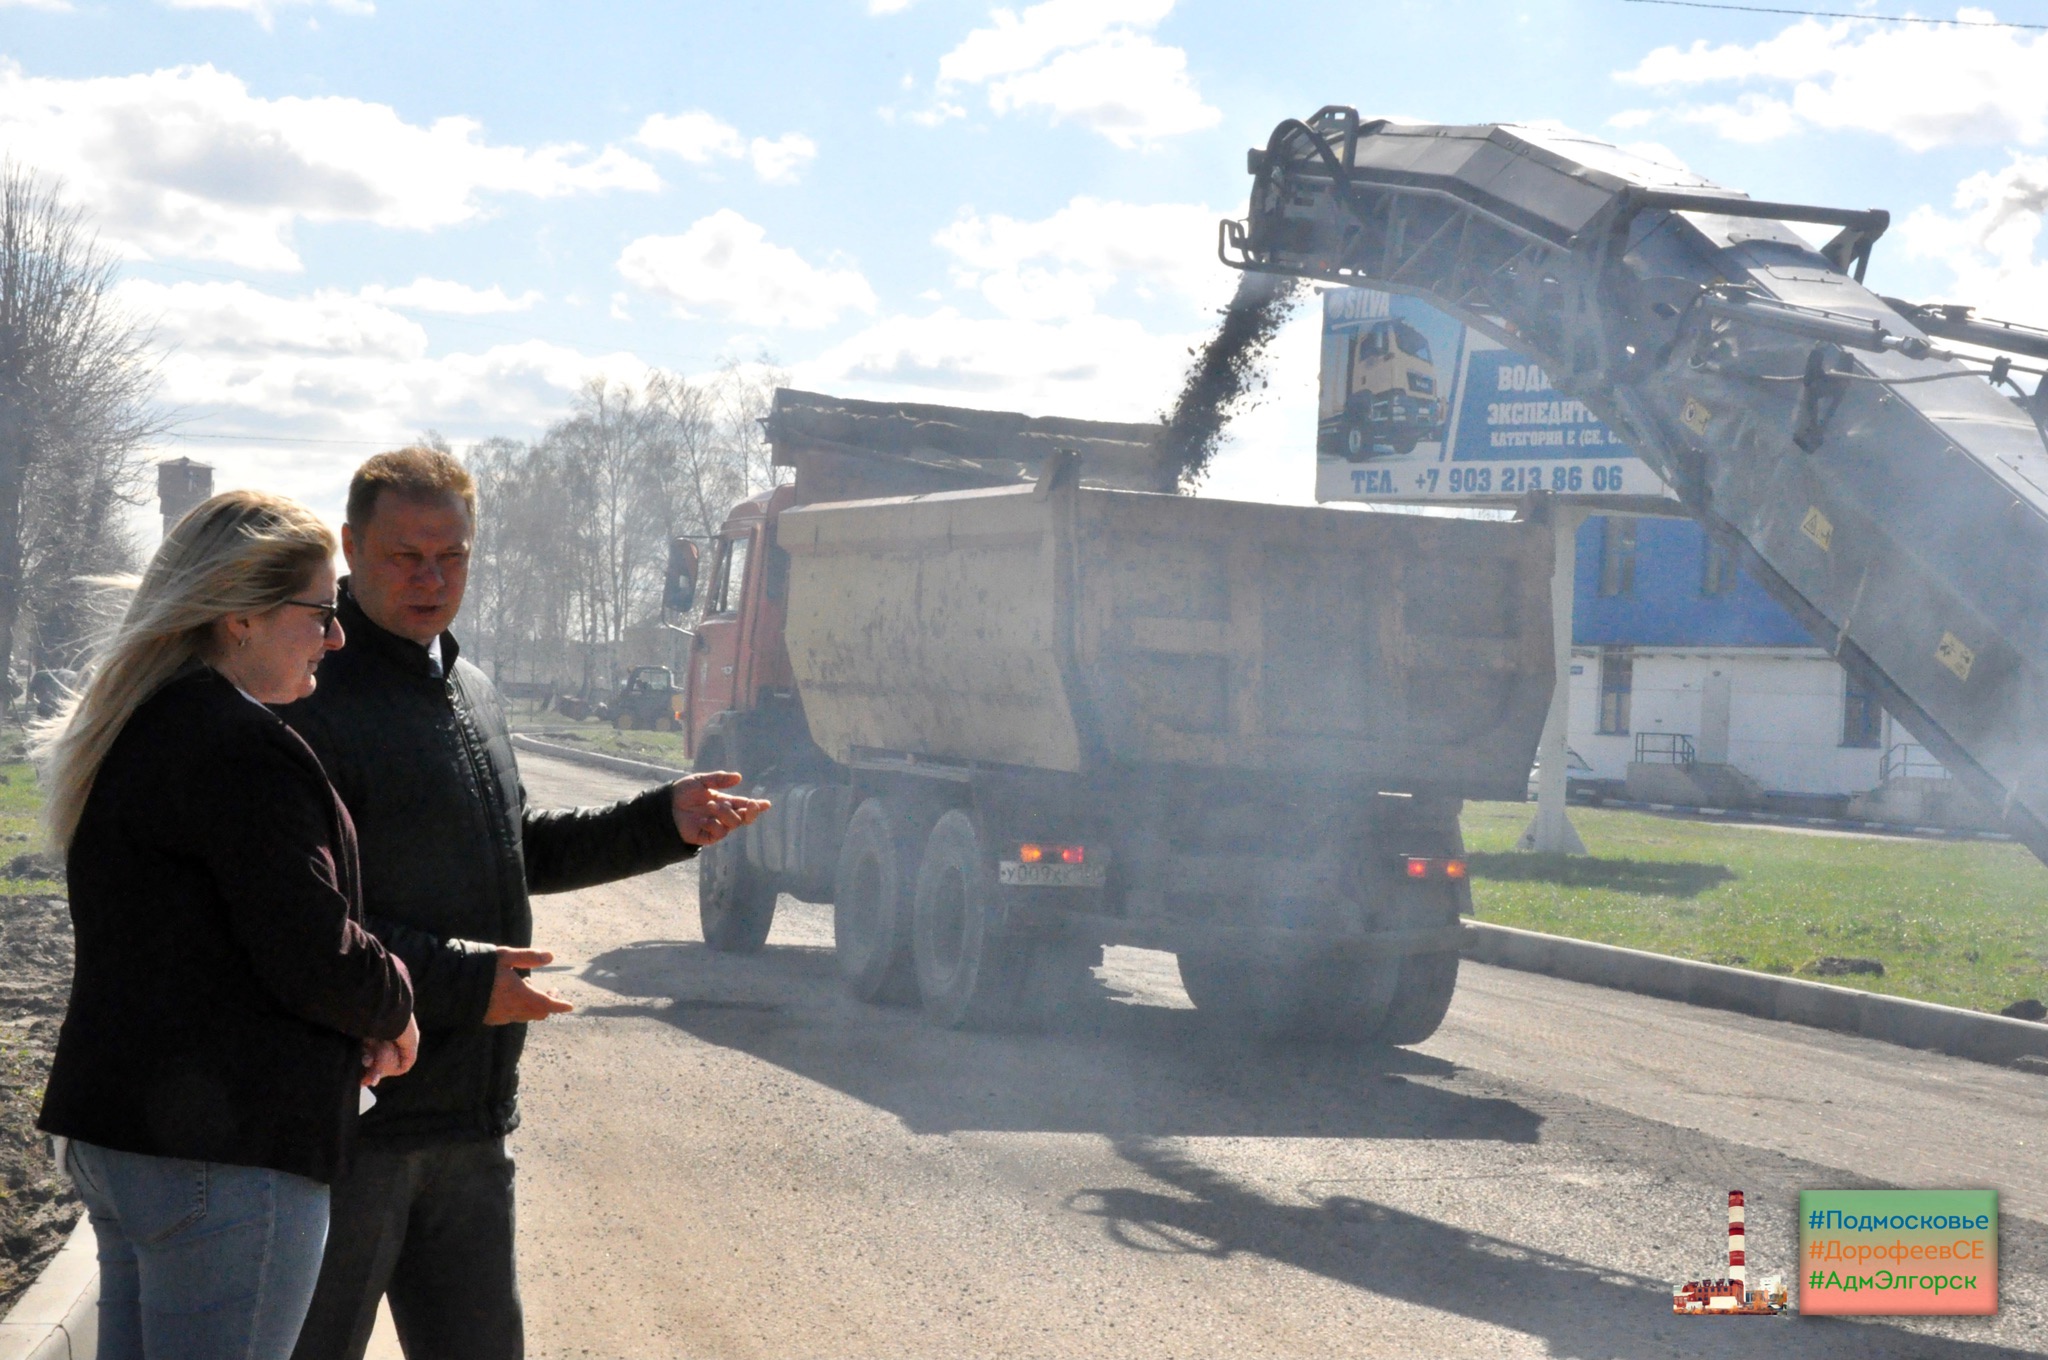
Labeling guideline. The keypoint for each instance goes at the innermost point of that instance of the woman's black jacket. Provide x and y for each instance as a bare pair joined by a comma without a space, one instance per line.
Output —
224,980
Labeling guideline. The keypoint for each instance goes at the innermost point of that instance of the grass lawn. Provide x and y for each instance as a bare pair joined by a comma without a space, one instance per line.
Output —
659,748
21,832
1964,923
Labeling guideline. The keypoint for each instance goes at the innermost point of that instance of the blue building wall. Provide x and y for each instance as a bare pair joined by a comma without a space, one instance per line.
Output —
1667,607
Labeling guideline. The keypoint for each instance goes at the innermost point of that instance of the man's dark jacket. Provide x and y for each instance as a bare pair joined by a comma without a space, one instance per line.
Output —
449,853
224,980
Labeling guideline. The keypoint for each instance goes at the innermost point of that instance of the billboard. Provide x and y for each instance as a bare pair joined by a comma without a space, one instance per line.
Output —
1415,406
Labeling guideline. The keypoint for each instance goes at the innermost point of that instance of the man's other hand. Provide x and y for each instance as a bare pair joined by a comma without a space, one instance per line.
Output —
513,998
391,1057
704,814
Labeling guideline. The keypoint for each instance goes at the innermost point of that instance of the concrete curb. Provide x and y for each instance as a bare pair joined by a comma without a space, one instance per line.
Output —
1894,1020
595,759
58,1318
1743,817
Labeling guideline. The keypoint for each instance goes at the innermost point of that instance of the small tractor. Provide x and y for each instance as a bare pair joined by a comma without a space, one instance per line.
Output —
649,701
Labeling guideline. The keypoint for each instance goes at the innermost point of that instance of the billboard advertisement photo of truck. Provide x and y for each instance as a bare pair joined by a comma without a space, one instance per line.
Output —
1415,406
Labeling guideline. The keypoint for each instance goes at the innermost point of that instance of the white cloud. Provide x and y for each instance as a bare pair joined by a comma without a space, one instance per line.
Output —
705,139
265,11
1126,87
724,265
1991,242
50,6
698,137
1100,367
1015,42
1923,86
1089,61
889,6
456,299
186,162
1060,266
1055,347
779,160
1093,367
313,384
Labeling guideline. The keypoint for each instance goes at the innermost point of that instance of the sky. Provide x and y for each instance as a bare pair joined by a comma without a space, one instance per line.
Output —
348,221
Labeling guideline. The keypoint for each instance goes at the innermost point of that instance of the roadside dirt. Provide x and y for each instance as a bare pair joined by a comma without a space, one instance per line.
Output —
37,1207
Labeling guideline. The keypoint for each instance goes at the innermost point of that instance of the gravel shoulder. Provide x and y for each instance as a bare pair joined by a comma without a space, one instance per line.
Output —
37,1208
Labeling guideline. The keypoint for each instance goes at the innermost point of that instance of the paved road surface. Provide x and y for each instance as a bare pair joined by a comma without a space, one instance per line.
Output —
730,1157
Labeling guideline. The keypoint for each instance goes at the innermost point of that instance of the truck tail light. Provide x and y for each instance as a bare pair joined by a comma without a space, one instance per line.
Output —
1418,868
1030,853
1454,868
1072,854
1422,866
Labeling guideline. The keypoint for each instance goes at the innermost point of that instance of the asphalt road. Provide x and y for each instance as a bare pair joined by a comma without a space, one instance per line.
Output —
730,1157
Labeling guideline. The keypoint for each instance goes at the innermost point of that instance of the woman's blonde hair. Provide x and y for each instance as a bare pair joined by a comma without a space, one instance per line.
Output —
240,553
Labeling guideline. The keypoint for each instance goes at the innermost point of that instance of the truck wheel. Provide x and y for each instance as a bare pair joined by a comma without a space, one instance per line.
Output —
1421,998
664,723
623,723
735,901
1258,996
968,973
1345,1000
1059,982
871,902
1318,998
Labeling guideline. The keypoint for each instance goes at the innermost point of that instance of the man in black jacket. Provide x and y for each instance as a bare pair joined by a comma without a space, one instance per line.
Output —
417,744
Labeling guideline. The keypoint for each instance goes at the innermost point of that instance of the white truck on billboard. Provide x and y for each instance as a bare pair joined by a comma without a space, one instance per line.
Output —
1416,407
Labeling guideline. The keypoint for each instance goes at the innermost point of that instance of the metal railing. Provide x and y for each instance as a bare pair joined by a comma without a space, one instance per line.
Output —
1909,761
1663,748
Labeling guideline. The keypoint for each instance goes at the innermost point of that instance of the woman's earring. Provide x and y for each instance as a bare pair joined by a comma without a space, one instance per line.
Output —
241,642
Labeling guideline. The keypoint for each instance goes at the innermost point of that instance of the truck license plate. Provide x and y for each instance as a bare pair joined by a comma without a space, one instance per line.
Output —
1014,874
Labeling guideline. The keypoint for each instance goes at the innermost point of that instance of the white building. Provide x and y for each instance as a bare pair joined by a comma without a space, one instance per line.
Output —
1677,658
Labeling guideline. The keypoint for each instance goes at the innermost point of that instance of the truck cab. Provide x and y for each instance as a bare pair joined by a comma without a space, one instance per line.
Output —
737,656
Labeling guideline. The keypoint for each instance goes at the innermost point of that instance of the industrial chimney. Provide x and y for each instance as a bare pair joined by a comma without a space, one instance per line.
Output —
180,485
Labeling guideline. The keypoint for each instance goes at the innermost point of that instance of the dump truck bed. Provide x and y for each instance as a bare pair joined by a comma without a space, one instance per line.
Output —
1087,629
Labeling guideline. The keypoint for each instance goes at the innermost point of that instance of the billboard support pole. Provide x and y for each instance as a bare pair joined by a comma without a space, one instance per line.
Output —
1552,831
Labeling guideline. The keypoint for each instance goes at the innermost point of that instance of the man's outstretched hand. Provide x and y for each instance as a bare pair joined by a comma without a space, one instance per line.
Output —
704,813
513,998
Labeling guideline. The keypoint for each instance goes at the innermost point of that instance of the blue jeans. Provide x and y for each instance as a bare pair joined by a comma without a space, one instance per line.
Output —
199,1260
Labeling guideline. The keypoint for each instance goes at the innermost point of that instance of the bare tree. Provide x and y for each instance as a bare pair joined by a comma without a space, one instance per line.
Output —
573,530
75,411
743,395
687,475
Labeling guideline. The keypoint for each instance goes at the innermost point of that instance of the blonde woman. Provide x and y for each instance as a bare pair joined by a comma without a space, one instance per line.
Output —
227,1002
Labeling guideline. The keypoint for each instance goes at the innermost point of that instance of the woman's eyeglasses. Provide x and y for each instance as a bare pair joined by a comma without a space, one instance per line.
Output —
325,610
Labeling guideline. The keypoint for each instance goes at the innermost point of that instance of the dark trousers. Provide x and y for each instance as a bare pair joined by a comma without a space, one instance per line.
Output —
431,1228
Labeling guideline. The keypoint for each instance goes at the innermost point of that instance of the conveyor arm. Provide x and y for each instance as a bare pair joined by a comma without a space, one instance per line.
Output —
1872,479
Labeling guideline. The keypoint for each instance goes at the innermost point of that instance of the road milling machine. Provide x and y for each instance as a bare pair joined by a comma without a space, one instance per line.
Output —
1876,464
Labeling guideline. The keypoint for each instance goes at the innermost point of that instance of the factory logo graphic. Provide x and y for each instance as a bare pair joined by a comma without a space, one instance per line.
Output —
1730,1295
